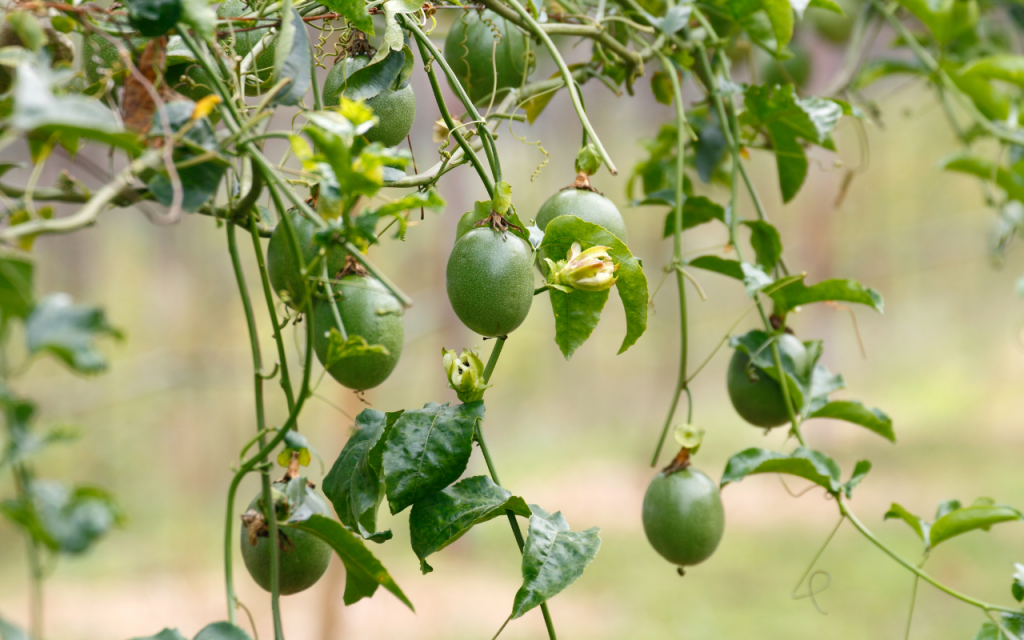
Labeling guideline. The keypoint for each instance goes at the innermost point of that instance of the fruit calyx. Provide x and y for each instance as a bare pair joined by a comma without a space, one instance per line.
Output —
680,462
499,223
582,182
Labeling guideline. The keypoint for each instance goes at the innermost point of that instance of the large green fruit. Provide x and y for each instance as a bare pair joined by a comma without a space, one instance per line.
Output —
761,402
795,70
832,26
282,265
470,50
246,40
367,310
395,109
683,516
99,55
586,205
490,281
303,558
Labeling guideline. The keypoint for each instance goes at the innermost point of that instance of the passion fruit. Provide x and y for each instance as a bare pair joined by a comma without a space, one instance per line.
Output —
283,266
395,108
760,401
683,516
246,40
100,56
490,281
190,80
584,204
303,557
367,310
488,54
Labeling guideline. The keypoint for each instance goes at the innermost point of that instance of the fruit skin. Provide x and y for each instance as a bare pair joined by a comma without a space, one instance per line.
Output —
798,67
190,80
683,516
98,54
469,50
302,562
395,109
246,40
283,268
762,403
586,205
368,310
490,281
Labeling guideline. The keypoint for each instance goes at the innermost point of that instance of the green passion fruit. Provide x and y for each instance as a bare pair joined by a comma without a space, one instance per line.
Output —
100,56
303,558
490,280
395,108
683,516
584,204
795,70
282,264
488,54
761,402
246,40
367,310
832,26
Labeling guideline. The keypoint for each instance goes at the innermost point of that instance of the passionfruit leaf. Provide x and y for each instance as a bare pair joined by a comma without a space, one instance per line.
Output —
852,411
69,332
696,211
805,463
797,293
292,60
222,631
441,519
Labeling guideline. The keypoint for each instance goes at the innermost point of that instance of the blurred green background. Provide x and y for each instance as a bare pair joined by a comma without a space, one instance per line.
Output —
946,361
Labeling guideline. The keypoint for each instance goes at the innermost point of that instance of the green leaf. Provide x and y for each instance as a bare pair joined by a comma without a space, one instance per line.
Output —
916,523
860,470
28,30
502,200
441,519
354,485
1009,181
199,182
153,17
370,80
427,450
696,211
554,557
338,349
221,631
992,102
799,375
576,315
804,463
65,520
797,293
292,60
38,111
723,266
1012,622
1005,67
875,70
967,519
199,15
780,14
631,284
394,39
166,634
946,19
363,571
767,244
1017,589
69,332
661,87
10,632
354,11
16,294
855,412
23,443
827,5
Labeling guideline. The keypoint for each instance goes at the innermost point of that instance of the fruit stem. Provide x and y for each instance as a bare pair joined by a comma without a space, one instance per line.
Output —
677,259
513,523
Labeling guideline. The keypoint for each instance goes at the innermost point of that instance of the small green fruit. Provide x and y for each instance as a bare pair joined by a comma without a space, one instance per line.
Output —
586,205
490,281
367,310
395,108
303,558
683,516
483,61
283,266
246,40
761,402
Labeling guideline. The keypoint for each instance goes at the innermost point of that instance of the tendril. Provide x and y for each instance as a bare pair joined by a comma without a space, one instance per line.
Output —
810,575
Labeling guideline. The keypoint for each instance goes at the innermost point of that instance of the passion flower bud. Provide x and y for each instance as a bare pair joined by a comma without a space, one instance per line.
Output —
465,374
590,270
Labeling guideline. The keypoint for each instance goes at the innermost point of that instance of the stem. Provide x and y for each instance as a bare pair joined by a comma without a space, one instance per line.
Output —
913,601
563,68
513,523
257,363
677,253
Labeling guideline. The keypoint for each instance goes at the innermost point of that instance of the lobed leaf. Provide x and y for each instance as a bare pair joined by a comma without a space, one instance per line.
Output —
804,463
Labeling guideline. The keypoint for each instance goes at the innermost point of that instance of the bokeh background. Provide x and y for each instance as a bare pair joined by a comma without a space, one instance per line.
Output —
163,427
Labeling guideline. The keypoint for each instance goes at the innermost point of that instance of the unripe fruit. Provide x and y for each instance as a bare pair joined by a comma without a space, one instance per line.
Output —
395,109
99,55
587,205
368,310
683,516
490,281
190,80
483,61
283,266
246,40
303,559
761,402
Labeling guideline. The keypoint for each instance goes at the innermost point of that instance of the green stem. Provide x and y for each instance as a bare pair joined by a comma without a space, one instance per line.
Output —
257,363
913,601
513,523
563,68
677,252
35,563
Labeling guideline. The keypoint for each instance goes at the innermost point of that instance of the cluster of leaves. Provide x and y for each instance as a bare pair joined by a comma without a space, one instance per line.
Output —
415,458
